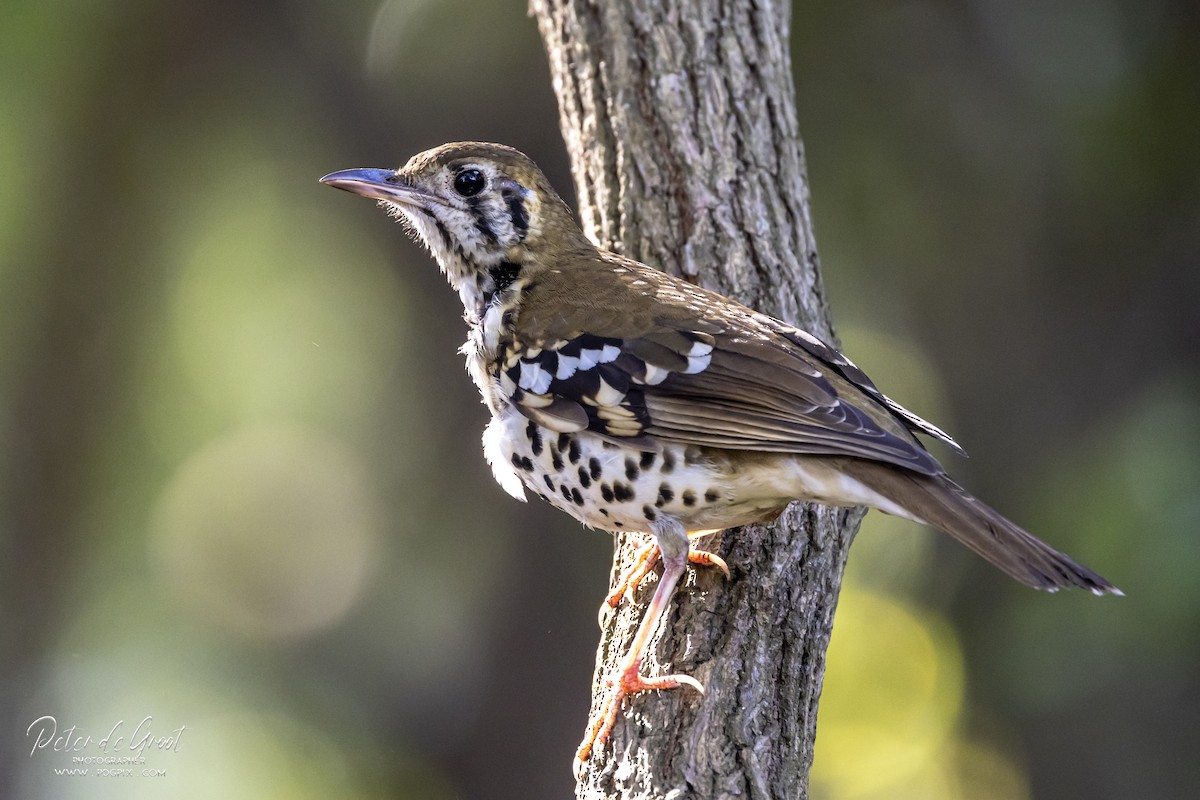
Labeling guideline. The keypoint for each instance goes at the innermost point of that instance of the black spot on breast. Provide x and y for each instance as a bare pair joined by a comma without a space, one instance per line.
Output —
585,480
649,513
576,497
503,275
647,460
549,482
689,498
594,468
712,496
556,461
668,463
564,439
631,469
522,462
603,512
573,452
566,492
622,492
665,495
606,492
535,437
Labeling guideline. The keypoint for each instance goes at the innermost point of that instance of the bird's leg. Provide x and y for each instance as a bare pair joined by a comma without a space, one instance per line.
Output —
671,542
631,578
643,563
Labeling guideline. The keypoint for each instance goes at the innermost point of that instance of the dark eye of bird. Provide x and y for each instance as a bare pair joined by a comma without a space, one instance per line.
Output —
469,182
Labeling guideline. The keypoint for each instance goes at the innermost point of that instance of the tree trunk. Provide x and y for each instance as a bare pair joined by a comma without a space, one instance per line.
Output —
679,118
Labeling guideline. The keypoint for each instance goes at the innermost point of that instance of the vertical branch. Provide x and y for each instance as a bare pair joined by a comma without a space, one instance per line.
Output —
680,121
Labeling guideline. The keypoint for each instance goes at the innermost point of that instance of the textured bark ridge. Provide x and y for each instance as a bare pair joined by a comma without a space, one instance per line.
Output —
680,121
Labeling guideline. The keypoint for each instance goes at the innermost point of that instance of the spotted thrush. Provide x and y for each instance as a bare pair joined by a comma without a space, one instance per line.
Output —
635,401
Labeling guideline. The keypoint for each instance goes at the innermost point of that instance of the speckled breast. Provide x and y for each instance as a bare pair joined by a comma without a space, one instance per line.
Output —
603,484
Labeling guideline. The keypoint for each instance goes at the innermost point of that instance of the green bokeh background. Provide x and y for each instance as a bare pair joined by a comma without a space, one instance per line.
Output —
242,490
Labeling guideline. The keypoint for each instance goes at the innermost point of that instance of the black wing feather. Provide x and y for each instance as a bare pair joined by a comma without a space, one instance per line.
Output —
777,390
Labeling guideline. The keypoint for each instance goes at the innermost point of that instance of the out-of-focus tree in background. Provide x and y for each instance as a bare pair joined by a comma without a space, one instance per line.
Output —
242,489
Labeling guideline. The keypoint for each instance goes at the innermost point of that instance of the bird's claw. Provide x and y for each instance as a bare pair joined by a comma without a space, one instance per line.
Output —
629,682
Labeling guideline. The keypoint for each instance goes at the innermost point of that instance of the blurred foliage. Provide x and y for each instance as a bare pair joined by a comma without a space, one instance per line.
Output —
241,484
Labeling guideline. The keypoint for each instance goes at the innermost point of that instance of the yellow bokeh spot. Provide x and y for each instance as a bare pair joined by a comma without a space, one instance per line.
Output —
892,696
984,774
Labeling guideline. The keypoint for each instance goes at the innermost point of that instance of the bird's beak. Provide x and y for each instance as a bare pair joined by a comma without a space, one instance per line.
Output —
379,184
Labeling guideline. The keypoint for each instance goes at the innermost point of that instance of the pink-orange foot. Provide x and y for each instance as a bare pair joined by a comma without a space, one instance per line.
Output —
647,556
629,682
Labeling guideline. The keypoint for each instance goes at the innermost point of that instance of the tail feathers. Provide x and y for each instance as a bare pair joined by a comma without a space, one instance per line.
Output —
943,504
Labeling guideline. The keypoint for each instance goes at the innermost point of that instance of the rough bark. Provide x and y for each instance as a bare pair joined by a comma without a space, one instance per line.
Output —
679,118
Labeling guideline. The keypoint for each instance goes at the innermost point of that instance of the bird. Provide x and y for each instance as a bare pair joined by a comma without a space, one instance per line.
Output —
639,402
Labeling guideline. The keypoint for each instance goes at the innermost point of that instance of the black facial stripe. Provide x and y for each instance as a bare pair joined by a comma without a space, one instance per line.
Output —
443,232
516,210
481,220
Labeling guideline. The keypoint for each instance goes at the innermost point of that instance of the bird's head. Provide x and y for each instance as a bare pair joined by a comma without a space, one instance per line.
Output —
476,206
